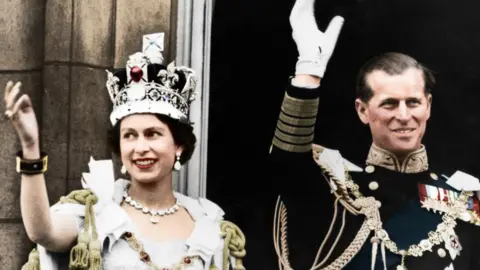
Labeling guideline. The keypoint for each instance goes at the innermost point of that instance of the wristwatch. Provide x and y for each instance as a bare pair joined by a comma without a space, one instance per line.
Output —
32,166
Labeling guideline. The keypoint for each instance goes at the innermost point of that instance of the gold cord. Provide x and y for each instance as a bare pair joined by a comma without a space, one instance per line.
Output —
335,243
340,262
332,224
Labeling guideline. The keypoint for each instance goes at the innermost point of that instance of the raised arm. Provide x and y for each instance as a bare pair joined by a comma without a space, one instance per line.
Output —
296,123
55,232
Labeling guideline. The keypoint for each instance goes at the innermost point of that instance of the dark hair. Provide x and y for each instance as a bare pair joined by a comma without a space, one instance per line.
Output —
182,136
393,64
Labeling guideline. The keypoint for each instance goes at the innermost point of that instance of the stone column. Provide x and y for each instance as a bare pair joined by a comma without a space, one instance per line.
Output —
78,49
21,48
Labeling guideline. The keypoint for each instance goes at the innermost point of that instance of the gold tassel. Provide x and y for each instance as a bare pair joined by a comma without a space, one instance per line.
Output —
213,267
33,261
95,256
239,264
79,253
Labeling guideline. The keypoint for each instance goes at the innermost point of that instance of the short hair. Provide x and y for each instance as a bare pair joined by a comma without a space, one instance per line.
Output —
182,136
393,64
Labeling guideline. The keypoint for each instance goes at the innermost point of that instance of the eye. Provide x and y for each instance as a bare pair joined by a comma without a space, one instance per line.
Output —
153,134
128,135
413,102
389,104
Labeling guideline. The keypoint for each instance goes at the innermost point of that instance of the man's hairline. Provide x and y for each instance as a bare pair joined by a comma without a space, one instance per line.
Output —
367,85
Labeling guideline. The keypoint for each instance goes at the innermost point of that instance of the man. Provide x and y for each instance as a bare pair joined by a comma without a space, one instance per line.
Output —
380,212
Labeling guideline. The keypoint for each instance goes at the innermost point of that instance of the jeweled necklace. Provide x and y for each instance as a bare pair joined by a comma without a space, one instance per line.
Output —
155,214
145,257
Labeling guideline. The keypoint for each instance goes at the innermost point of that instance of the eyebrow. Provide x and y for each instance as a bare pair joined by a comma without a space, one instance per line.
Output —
396,101
147,129
389,101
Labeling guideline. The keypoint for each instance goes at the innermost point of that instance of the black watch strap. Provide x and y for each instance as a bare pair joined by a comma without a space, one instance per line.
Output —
32,166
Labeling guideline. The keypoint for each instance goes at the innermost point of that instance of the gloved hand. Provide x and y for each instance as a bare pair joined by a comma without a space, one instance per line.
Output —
314,47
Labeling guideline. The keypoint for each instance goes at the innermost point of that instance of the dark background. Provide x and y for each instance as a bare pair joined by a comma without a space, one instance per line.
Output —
253,55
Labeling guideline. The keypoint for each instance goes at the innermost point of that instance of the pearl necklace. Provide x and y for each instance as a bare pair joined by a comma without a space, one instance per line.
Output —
155,214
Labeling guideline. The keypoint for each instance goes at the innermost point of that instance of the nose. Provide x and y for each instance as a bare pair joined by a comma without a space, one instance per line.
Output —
403,113
142,145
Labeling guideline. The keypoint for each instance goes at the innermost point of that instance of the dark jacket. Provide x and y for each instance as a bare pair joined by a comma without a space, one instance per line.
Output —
303,188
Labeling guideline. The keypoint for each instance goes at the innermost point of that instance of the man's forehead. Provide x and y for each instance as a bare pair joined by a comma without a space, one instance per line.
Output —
409,81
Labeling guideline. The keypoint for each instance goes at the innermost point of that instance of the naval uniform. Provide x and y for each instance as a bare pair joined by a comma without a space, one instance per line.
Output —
413,198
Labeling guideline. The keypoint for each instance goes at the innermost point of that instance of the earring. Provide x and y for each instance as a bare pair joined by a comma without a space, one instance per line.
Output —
177,166
123,170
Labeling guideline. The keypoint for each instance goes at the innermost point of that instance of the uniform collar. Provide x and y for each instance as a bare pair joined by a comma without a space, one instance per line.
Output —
415,162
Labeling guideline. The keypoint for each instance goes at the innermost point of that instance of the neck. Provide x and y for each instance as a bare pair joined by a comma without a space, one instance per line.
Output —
155,195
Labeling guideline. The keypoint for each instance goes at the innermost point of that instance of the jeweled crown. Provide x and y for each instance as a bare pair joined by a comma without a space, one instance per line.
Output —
147,86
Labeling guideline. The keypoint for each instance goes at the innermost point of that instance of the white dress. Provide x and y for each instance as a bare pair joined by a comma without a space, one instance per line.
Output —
122,256
205,242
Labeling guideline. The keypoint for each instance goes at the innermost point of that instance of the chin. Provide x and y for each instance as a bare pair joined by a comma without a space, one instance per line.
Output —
145,178
404,148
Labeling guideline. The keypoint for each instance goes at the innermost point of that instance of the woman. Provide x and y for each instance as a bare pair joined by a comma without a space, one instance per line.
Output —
127,224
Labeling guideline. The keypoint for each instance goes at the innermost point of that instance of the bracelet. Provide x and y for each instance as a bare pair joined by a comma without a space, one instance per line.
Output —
32,166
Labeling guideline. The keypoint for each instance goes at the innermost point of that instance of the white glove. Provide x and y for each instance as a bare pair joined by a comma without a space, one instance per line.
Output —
314,47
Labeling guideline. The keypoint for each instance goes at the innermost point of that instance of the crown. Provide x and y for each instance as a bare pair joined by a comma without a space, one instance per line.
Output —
147,86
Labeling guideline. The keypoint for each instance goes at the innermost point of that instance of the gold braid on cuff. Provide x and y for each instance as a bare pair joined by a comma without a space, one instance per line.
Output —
296,124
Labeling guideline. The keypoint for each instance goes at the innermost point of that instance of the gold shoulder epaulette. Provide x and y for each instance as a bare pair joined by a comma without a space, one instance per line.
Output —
234,244
80,196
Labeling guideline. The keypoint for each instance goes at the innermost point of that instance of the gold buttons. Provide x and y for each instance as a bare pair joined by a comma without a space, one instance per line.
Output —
434,176
369,169
441,252
373,185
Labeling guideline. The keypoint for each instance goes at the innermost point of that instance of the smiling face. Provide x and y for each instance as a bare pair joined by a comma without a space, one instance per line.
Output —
147,147
398,110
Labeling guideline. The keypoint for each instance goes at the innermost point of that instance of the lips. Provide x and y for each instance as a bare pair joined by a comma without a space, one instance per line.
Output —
144,163
403,130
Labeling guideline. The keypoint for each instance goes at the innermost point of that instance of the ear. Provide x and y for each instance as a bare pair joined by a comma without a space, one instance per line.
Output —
362,110
429,105
179,150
